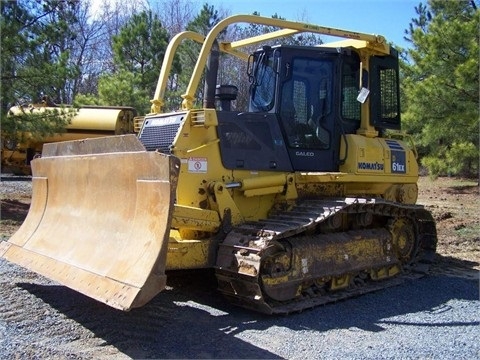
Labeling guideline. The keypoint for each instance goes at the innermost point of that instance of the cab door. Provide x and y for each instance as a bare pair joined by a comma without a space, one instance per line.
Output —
307,113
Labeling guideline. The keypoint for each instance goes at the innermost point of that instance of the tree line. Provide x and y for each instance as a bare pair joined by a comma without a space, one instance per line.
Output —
67,52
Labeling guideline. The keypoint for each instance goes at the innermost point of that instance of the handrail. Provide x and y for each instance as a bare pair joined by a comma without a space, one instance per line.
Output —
287,28
157,102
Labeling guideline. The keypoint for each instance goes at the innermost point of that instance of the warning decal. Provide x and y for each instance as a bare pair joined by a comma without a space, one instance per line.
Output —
197,165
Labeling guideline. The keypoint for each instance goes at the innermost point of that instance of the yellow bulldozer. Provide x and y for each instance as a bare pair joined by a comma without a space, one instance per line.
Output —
306,197
87,122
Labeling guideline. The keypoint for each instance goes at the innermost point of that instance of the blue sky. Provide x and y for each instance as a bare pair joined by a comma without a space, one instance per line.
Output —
382,17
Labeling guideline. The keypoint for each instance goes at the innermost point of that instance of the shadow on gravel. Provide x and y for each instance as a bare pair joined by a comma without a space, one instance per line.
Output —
191,320
11,177
13,210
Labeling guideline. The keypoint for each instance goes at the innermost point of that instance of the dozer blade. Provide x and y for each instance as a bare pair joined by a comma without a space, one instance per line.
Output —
99,219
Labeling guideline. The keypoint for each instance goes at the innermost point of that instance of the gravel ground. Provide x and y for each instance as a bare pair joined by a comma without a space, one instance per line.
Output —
18,185
436,317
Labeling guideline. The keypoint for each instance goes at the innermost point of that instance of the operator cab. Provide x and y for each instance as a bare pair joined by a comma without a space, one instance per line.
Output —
302,101
307,88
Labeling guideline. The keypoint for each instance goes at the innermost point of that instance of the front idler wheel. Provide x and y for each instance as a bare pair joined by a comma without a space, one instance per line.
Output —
404,236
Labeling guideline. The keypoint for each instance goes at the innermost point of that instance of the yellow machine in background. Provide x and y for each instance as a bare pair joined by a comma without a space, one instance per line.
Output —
299,200
88,122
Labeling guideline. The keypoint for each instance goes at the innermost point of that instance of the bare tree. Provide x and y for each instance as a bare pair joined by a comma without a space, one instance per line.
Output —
174,14
98,22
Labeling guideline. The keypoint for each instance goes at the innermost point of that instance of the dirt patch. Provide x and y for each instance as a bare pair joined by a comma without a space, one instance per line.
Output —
455,205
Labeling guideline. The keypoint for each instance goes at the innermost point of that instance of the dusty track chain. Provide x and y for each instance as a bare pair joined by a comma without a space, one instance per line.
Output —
245,290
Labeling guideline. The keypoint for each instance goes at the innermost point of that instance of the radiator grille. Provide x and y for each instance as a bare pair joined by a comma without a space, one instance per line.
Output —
158,133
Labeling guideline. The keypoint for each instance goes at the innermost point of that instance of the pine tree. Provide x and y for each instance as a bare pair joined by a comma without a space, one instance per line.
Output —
139,50
441,87
35,64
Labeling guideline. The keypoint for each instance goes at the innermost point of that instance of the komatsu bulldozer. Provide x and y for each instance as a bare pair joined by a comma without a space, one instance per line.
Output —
87,122
306,197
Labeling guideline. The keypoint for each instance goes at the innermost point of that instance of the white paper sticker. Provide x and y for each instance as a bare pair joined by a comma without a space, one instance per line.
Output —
304,265
197,165
362,96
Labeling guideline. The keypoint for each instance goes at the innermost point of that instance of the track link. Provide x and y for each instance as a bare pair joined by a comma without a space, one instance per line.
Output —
311,227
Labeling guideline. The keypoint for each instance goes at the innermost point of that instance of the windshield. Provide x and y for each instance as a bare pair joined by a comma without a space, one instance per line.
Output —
307,102
262,82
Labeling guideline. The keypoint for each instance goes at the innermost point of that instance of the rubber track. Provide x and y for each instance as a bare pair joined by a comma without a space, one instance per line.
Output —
302,218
